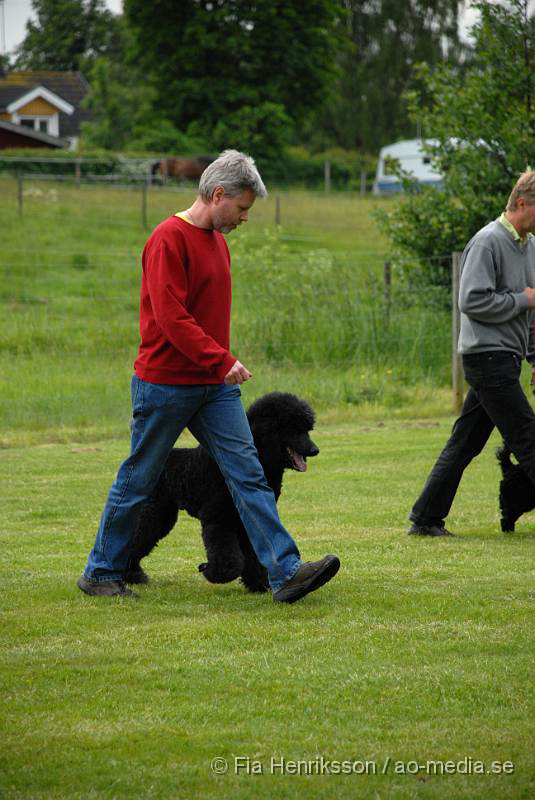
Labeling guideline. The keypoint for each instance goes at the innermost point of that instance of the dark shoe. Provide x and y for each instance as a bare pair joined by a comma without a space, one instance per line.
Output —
104,588
137,575
430,530
309,577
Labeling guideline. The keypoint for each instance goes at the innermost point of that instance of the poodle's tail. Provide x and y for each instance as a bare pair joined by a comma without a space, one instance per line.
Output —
503,454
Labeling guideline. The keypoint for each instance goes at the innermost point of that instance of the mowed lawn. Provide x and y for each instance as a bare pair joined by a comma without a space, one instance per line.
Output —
418,655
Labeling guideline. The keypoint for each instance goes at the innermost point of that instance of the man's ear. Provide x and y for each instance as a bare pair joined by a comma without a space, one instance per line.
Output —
218,194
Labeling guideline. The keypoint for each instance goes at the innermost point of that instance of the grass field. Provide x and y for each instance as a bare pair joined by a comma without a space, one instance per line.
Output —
418,651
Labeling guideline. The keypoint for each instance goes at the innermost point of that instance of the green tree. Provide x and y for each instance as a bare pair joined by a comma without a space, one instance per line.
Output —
5,64
387,38
124,105
67,35
211,60
264,130
116,105
124,116
484,125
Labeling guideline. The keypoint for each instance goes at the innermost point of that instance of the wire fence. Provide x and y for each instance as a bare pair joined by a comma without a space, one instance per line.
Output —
128,170
142,193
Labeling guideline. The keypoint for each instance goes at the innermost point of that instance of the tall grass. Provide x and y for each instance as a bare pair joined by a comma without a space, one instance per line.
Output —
323,308
310,309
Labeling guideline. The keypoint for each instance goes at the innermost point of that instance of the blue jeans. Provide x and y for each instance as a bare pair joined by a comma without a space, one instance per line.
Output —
495,399
215,416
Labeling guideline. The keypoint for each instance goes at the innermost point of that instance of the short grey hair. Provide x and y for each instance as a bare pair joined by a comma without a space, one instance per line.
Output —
524,187
235,172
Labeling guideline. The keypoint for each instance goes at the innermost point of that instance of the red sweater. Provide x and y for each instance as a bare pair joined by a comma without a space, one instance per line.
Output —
185,306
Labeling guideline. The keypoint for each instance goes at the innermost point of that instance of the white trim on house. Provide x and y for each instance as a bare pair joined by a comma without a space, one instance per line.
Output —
45,94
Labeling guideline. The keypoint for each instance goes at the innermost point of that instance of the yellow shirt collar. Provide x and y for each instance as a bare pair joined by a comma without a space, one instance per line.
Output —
513,231
183,215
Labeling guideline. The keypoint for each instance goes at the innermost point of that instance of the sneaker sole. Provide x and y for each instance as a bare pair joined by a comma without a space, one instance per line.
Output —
320,580
85,588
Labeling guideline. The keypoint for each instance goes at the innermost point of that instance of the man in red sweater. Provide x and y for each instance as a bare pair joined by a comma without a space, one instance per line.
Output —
185,376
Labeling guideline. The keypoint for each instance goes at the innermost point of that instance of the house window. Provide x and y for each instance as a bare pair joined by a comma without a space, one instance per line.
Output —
35,123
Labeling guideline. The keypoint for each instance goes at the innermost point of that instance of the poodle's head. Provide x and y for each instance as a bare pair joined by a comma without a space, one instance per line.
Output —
281,423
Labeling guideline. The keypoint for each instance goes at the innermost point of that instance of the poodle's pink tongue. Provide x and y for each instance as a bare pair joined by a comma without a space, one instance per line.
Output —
298,461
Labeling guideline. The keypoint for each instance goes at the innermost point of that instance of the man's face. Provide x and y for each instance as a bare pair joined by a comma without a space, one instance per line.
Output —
529,211
229,212
526,216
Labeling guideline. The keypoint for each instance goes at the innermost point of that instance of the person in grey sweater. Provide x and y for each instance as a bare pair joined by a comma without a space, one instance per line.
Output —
496,298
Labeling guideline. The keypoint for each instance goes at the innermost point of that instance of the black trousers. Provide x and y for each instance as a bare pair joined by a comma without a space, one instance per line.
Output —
495,399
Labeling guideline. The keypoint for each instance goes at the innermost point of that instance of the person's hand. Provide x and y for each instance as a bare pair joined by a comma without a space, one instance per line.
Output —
238,373
531,296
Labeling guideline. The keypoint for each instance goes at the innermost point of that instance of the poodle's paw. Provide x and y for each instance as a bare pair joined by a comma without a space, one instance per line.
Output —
508,527
256,582
136,575
259,587
219,573
508,524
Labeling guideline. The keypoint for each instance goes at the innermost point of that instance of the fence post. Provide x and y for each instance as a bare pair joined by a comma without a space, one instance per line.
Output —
77,172
277,210
327,174
363,176
387,273
20,179
456,364
144,204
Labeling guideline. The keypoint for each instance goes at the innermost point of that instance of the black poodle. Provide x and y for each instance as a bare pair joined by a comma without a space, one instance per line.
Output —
191,480
517,493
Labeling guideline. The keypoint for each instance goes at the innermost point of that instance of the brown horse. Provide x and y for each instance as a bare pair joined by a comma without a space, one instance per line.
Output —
181,169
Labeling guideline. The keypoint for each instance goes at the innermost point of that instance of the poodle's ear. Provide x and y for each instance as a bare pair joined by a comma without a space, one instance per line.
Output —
278,410
262,426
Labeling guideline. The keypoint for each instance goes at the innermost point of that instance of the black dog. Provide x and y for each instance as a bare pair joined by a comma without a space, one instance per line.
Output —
517,493
191,480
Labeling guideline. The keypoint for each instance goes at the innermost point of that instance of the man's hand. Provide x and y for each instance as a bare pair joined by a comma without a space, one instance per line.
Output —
531,296
238,373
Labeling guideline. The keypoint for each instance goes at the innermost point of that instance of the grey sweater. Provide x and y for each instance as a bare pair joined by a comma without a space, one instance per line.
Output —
494,312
